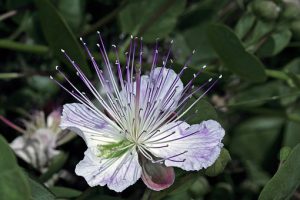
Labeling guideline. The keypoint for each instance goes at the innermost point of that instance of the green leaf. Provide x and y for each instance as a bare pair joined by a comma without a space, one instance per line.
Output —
64,192
244,25
57,163
194,38
158,20
13,183
286,180
205,111
291,133
59,35
72,11
275,43
260,30
257,92
39,191
255,138
285,90
220,164
233,55
293,67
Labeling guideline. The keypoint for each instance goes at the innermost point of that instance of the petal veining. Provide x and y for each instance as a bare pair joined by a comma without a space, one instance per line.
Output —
117,173
188,147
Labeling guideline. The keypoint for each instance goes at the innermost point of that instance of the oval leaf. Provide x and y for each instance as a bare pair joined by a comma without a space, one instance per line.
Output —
233,55
13,183
64,192
276,43
158,20
39,191
286,180
59,35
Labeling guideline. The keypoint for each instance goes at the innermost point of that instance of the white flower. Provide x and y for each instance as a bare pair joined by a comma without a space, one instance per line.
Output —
136,130
37,145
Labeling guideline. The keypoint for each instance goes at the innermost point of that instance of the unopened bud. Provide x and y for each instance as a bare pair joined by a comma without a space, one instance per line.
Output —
199,188
267,10
284,153
219,165
291,11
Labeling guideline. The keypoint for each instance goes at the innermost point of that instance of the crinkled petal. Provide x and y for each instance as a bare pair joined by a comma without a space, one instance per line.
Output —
188,147
90,126
117,173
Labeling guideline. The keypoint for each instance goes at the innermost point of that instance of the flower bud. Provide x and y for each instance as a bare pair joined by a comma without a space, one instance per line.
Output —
284,153
219,165
295,28
291,10
199,188
267,10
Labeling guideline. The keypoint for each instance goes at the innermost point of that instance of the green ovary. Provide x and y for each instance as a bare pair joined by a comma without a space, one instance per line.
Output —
114,150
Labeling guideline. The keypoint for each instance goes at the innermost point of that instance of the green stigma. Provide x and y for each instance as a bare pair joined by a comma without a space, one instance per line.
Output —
114,150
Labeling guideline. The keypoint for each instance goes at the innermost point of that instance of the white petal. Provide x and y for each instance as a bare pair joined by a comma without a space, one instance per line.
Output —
190,148
168,81
117,173
38,150
17,145
90,126
53,120
163,87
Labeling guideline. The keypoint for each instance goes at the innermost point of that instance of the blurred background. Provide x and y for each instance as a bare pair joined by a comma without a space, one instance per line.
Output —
253,44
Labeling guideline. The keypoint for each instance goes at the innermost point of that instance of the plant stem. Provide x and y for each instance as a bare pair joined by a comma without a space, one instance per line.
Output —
17,46
12,125
8,14
146,195
277,74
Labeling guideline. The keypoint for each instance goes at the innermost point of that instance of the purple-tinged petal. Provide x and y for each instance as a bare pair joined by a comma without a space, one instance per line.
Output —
156,176
170,86
117,173
90,126
164,86
190,148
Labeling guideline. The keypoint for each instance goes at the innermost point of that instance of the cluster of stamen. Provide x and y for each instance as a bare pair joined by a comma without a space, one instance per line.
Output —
138,118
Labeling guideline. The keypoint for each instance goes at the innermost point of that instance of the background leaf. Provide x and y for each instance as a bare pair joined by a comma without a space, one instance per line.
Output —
159,17
13,183
64,192
286,180
233,55
64,39
39,192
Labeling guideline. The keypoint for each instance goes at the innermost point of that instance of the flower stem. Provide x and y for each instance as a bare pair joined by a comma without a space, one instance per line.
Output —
12,125
17,46
147,194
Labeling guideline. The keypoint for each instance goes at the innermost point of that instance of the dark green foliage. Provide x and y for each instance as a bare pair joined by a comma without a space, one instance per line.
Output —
255,45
